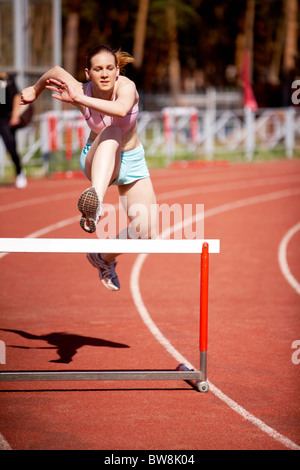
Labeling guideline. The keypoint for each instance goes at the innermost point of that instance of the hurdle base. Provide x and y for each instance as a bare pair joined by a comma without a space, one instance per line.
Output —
88,375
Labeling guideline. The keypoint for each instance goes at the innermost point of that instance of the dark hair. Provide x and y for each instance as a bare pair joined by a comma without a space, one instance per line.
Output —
121,58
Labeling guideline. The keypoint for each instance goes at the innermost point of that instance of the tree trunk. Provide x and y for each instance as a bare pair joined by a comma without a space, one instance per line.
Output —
244,39
140,33
71,43
174,64
249,31
290,49
275,66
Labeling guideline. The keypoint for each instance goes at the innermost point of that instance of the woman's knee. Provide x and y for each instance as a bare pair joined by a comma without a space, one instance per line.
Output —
142,221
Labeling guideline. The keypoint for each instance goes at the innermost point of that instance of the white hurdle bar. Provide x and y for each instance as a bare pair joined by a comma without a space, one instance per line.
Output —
73,245
58,245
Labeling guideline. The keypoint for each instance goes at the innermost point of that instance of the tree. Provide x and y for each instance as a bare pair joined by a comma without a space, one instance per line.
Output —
291,37
245,38
71,42
140,33
249,30
71,35
277,52
290,48
174,64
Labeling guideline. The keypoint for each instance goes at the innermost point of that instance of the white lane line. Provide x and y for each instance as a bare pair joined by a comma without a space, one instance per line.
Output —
199,188
137,298
4,445
282,258
49,228
37,200
230,186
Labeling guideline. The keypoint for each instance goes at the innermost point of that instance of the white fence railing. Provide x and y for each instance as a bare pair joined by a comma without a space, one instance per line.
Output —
185,130
210,132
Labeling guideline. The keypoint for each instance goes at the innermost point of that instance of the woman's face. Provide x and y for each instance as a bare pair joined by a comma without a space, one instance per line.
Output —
103,71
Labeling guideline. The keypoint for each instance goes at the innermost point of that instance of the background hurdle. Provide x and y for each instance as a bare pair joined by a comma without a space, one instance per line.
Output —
58,245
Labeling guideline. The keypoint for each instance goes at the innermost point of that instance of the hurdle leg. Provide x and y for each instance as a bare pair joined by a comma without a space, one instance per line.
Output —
203,385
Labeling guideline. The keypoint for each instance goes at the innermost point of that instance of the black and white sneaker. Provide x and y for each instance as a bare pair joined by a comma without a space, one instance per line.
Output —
106,270
90,206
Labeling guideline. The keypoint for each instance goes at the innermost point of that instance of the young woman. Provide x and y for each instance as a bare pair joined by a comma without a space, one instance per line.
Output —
113,153
9,120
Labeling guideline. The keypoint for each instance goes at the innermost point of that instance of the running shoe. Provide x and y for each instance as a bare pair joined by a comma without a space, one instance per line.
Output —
21,180
90,206
106,270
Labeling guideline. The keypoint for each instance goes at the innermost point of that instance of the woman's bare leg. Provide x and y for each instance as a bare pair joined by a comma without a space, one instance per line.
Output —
139,201
103,160
102,166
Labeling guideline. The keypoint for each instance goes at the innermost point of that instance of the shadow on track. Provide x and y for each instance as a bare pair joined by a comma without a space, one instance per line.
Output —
66,344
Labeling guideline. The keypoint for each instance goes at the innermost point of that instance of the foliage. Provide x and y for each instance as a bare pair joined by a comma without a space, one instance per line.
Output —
207,32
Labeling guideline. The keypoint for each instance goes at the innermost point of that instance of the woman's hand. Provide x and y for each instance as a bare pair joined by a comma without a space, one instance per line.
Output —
28,95
63,91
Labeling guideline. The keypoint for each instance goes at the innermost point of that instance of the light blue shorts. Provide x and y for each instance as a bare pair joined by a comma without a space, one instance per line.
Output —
133,165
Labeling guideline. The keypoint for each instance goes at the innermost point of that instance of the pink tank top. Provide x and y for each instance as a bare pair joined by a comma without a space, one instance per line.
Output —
97,122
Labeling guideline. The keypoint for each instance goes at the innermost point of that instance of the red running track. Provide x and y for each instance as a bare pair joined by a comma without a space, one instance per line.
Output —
56,315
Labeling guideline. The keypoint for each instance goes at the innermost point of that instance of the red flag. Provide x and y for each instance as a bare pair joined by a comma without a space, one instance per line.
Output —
69,146
194,125
53,132
249,98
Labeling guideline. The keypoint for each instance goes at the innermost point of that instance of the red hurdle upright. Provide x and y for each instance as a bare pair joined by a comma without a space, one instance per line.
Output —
204,312
202,384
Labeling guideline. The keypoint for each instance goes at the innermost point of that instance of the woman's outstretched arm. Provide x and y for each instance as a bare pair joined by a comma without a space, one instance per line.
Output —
126,98
31,93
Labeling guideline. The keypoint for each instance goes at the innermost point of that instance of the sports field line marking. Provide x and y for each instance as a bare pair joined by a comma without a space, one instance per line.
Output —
37,200
208,213
282,258
207,187
164,341
231,186
137,298
57,226
4,445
